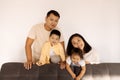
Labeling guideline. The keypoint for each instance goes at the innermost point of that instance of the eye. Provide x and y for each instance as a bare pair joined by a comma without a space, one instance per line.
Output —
52,37
79,40
56,20
74,43
73,58
51,19
57,39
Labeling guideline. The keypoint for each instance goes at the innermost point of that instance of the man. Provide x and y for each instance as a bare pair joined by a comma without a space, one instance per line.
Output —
38,35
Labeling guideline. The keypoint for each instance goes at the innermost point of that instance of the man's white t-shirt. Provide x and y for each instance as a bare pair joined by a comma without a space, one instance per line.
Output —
40,36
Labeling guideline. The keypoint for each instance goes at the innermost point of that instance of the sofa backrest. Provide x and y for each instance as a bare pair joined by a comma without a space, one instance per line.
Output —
16,71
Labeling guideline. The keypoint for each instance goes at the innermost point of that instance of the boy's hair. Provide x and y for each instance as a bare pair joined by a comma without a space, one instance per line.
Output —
56,32
54,13
77,51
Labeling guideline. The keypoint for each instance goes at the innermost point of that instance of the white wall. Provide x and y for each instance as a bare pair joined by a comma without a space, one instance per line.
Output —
97,20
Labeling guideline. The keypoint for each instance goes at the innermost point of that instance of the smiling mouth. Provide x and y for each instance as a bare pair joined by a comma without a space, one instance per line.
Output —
52,25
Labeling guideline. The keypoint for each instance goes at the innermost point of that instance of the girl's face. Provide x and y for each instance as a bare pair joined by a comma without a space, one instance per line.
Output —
77,42
75,58
54,39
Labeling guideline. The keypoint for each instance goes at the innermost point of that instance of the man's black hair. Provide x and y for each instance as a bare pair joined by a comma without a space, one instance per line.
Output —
54,13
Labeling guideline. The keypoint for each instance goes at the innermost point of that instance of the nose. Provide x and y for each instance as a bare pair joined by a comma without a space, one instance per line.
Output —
77,44
54,42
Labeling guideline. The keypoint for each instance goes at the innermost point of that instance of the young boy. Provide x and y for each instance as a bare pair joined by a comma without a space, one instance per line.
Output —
75,64
52,51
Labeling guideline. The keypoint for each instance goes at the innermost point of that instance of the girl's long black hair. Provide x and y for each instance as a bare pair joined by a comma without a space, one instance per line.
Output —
86,48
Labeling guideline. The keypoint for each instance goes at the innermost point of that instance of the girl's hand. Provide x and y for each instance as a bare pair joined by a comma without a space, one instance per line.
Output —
77,78
73,76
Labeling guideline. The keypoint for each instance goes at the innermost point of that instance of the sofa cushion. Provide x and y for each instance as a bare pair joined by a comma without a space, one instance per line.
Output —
48,72
16,71
114,71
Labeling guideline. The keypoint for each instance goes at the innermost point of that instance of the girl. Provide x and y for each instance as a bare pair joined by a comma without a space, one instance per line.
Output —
75,64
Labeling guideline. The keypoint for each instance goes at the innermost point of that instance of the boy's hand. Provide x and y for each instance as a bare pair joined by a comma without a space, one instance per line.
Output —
62,65
38,63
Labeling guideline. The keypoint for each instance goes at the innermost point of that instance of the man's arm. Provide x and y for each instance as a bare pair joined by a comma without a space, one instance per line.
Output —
28,50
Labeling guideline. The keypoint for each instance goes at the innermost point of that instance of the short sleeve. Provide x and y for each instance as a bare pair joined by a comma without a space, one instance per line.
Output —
82,63
68,60
31,33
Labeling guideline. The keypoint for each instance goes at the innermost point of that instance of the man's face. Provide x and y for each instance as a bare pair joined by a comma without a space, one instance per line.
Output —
52,21
54,39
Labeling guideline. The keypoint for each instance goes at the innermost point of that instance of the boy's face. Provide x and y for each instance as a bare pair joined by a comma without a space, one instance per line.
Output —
75,58
54,39
52,21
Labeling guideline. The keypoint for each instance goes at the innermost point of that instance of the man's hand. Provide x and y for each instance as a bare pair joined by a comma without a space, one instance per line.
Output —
28,65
